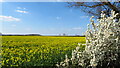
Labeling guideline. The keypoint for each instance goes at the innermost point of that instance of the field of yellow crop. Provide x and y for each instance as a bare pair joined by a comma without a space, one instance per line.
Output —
37,50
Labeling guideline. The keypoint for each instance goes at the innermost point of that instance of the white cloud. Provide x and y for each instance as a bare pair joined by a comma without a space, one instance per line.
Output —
58,18
21,11
77,28
8,18
1,0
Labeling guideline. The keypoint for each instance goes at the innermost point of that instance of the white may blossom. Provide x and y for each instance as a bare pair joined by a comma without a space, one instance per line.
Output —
102,45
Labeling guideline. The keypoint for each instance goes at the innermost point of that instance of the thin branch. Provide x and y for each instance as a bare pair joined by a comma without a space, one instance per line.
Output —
82,4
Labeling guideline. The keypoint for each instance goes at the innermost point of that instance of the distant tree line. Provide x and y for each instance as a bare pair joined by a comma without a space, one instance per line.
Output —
64,35
20,35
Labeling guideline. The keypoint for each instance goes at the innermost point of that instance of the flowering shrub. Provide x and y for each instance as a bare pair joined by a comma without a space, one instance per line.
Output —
102,45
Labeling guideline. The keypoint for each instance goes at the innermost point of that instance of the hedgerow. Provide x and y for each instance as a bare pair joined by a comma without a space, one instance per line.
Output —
102,45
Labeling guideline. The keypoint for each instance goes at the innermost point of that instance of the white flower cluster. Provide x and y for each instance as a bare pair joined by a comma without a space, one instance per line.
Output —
102,44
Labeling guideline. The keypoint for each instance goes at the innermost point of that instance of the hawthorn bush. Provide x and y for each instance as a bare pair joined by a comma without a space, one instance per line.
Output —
102,45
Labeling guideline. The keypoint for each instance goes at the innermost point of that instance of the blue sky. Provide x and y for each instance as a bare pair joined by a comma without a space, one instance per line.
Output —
46,18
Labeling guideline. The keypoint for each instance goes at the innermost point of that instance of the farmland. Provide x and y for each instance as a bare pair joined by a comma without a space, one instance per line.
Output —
37,50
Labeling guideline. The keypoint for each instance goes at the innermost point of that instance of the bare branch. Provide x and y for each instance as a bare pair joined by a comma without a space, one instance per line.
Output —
82,4
95,8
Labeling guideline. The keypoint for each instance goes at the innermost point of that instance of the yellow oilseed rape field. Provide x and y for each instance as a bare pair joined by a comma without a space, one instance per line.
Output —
37,50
